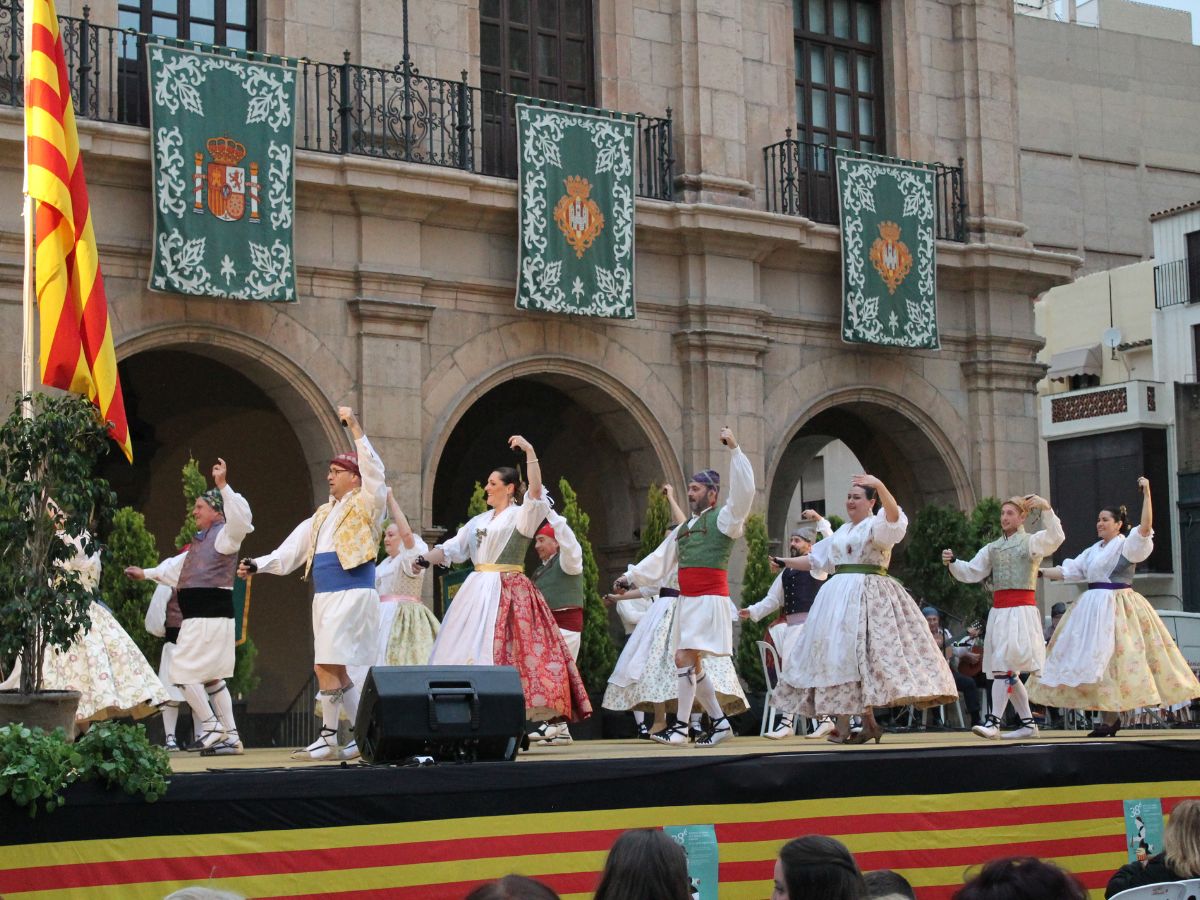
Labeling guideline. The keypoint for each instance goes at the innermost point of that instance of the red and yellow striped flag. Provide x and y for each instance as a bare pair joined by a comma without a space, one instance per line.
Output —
76,338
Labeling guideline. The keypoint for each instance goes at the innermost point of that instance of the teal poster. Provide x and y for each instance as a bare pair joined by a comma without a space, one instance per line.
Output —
699,842
1143,828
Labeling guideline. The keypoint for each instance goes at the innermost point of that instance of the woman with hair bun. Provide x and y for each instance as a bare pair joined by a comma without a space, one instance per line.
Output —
1111,651
865,642
498,617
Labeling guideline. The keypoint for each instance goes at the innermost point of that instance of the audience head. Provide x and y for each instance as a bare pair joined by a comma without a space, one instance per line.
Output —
1181,840
644,864
933,617
1021,878
887,885
816,867
512,887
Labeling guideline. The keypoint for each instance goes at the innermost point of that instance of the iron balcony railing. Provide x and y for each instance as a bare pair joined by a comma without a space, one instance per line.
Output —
801,181
1176,282
344,107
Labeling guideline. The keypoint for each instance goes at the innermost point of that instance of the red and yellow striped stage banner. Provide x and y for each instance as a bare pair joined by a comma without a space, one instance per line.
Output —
932,838
76,351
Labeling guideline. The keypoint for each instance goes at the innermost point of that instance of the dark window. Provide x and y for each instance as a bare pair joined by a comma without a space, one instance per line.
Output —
1079,382
227,23
536,48
1193,265
1195,373
1087,473
838,78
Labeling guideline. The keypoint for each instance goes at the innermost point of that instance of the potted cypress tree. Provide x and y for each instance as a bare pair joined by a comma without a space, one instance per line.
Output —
48,487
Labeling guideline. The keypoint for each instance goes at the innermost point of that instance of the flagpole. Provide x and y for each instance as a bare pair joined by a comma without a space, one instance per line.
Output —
27,289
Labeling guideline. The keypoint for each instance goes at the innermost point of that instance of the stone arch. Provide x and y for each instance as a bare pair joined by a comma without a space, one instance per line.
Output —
308,409
914,440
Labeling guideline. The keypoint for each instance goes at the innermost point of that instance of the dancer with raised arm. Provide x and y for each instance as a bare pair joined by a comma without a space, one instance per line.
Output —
498,617
1111,651
203,578
1013,643
699,551
865,642
407,627
795,592
338,545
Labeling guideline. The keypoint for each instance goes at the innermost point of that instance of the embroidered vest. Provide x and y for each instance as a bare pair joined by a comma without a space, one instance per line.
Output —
514,551
1013,569
355,535
204,567
799,591
560,589
702,545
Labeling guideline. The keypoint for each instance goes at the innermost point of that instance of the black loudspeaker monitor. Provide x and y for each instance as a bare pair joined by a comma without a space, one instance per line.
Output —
452,713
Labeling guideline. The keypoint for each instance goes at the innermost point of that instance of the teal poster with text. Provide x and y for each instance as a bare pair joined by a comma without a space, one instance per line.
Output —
699,842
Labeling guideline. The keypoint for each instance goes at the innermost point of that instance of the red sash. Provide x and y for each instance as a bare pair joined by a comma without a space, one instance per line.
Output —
1011,597
700,582
569,618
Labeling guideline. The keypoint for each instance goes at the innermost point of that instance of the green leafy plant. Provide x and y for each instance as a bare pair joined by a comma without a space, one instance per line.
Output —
835,522
194,484
597,655
756,581
244,679
658,520
47,458
129,543
37,767
478,502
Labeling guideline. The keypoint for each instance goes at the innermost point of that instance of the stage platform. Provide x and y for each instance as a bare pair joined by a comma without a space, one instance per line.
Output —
930,805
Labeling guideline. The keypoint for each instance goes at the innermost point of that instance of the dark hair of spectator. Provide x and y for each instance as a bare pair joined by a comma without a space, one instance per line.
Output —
644,864
512,887
886,883
1120,515
816,867
1022,878
1058,609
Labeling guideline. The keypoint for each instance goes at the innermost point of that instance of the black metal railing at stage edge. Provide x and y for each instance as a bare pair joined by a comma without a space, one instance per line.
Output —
801,181
343,108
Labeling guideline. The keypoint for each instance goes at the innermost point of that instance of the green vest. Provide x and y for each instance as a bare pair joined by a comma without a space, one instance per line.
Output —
560,589
1013,568
513,553
702,545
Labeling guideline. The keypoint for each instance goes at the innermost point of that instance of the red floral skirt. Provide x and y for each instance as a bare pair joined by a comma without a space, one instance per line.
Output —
528,637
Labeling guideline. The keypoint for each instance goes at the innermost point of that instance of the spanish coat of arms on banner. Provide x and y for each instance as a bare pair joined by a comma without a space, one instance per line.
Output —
576,212
889,240
222,141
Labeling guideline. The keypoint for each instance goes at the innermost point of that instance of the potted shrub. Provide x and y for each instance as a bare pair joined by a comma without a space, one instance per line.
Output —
47,462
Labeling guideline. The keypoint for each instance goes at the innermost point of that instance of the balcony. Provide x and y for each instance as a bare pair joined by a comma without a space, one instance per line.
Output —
343,108
802,181
1176,282
1110,407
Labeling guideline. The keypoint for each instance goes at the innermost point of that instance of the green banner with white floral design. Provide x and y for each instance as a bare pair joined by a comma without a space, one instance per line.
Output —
576,212
889,242
222,132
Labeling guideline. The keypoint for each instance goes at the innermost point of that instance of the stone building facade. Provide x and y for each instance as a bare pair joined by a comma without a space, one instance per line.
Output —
407,281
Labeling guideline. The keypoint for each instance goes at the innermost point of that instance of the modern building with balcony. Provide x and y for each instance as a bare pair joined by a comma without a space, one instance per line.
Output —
406,251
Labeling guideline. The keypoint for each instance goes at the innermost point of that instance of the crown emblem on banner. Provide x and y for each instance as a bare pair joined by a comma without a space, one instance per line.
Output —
225,151
577,215
890,256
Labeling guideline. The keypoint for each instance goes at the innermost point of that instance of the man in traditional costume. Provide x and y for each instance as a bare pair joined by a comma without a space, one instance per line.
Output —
338,545
795,592
560,579
203,578
1013,640
700,550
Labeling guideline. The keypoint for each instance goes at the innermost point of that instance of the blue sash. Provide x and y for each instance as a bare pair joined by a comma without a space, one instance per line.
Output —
329,576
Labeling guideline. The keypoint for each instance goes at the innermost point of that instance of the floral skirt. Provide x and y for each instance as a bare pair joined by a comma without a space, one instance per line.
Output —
1144,666
410,633
109,671
895,656
528,638
656,681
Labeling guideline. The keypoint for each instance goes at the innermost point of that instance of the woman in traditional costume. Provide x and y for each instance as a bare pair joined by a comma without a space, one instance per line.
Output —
498,618
1111,651
865,642
102,663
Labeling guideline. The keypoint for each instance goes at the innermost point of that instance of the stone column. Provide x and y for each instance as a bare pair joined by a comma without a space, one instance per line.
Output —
392,345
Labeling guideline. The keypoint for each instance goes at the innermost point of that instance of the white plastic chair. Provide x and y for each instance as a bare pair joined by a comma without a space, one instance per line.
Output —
1174,890
768,656
1191,889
